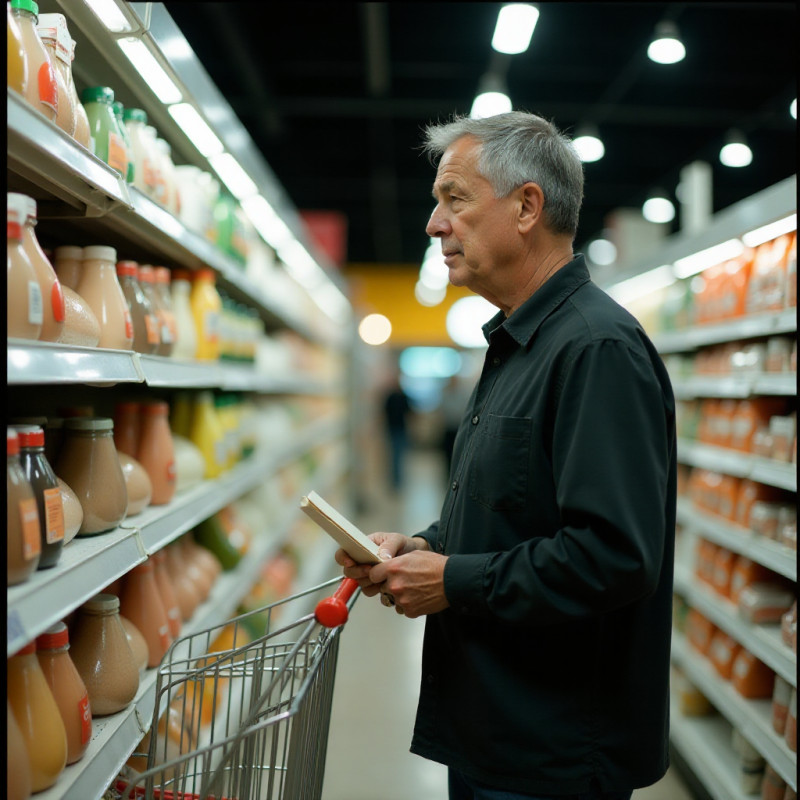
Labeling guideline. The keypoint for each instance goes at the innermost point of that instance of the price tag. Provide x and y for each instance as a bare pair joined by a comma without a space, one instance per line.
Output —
14,628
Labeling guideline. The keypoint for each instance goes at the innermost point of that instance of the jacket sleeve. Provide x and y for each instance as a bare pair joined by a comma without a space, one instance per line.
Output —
612,440
430,535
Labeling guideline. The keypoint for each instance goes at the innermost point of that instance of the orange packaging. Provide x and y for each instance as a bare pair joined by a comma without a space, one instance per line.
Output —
722,652
723,571
735,285
728,493
781,695
791,272
750,415
752,678
745,572
764,603
699,631
704,565
725,415
750,492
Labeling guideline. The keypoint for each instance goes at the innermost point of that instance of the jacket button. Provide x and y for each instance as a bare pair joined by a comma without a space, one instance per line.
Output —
496,361
475,419
454,485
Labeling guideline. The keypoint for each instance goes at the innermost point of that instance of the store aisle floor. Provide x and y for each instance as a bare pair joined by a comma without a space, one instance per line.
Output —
377,681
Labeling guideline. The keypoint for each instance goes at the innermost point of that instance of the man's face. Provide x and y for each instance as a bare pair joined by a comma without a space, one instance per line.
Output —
476,228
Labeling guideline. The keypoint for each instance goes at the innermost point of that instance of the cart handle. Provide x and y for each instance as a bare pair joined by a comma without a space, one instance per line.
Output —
332,611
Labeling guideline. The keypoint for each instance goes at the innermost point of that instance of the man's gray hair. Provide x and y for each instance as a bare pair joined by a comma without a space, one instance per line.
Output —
516,148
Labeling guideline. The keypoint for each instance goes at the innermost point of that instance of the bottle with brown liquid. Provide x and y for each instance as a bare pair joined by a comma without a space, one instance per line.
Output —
156,452
141,603
24,305
147,279
48,28
16,68
22,520
18,779
127,428
146,336
162,291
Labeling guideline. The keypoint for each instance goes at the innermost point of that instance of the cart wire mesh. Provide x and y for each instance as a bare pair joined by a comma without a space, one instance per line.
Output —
243,717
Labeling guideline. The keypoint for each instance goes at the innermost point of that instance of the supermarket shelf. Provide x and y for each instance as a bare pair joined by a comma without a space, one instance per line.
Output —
751,327
741,465
740,540
763,641
752,717
783,384
705,743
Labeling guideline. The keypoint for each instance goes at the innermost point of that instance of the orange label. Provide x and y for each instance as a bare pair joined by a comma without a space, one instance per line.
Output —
31,536
48,88
128,325
86,718
117,155
151,323
54,515
57,301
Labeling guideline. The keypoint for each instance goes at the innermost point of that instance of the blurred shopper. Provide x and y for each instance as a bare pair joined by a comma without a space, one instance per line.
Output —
547,579
396,407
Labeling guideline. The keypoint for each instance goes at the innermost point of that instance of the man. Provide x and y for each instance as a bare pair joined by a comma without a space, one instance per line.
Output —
547,579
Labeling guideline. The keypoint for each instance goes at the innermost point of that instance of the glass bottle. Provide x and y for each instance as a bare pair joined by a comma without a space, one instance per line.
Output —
147,280
16,66
23,294
186,593
89,465
108,144
207,434
68,688
37,715
156,452
135,120
48,28
18,780
103,657
161,285
44,483
137,643
41,91
118,109
99,287
82,133
146,336
186,336
167,592
141,603
206,308
22,517
127,428
52,296
68,264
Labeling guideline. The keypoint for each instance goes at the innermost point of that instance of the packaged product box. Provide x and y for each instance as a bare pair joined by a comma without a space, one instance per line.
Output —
747,571
722,652
722,573
699,631
764,603
781,696
751,677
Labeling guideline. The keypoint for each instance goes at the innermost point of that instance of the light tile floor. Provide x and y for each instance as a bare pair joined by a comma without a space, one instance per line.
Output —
376,690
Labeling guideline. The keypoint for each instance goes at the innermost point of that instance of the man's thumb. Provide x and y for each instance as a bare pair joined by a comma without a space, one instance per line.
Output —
384,555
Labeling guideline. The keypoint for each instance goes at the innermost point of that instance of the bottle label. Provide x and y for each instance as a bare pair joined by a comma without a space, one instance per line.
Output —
57,301
151,323
128,325
35,304
212,326
48,88
86,719
31,537
171,472
166,331
117,154
149,175
54,515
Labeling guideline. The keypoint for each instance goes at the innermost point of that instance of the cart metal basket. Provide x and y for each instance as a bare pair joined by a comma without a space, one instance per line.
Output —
250,721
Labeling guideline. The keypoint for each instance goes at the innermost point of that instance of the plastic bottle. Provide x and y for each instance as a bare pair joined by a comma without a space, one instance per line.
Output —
82,134
108,143
68,264
144,178
172,200
208,435
18,780
23,294
68,688
99,287
42,90
141,603
156,452
186,336
127,428
186,593
50,32
147,280
22,517
146,336
159,187
37,715
44,483
162,278
53,312
167,592
118,110
206,308
16,66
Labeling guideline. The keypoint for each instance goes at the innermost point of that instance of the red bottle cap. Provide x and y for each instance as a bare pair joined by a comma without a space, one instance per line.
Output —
31,437
130,268
154,409
204,274
127,407
53,638
146,274
12,442
181,275
162,275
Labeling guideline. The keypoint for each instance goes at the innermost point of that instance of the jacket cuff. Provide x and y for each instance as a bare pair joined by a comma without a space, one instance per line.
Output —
463,583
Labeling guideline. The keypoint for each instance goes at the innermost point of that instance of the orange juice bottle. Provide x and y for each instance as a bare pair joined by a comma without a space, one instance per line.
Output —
206,308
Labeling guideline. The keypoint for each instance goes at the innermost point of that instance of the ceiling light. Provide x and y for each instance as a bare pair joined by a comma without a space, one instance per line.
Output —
641,285
489,104
767,232
588,144
196,128
465,318
735,152
375,329
109,13
658,208
602,252
793,108
151,71
233,175
710,257
666,47
514,29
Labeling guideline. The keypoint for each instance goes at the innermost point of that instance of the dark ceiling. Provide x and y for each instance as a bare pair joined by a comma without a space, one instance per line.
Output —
335,96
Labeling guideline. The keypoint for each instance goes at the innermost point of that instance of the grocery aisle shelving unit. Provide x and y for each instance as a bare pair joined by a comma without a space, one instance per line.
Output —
80,196
705,742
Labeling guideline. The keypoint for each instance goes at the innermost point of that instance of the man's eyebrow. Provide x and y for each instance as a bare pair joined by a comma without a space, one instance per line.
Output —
444,187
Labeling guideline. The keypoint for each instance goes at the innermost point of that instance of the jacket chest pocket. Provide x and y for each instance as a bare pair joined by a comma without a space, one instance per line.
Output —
499,463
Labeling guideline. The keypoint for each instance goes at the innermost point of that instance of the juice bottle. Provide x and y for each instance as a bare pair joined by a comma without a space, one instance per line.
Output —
208,435
167,592
144,178
18,779
22,517
127,428
161,276
48,29
82,134
37,715
42,90
16,67
108,143
118,109
147,280
68,264
186,336
206,308
25,310
156,452
141,603
68,688
146,335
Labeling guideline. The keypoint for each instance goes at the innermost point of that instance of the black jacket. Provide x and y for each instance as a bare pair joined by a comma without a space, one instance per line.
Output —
550,669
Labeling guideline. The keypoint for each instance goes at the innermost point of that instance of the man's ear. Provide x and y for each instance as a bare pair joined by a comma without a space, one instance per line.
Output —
531,206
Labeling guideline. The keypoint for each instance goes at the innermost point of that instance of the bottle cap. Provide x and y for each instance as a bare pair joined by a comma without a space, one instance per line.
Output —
26,5
101,604
135,114
130,268
204,274
27,650
89,424
68,251
100,252
126,407
12,442
117,108
25,205
97,94
156,408
54,637
181,275
162,275
146,274
30,436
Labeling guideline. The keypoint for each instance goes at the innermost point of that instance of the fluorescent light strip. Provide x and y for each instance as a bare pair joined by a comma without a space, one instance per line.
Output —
641,285
773,230
151,71
109,13
196,129
514,28
233,175
697,262
266,221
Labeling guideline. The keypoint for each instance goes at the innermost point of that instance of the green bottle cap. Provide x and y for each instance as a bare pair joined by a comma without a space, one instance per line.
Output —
98,94
118,108
136,114
26,5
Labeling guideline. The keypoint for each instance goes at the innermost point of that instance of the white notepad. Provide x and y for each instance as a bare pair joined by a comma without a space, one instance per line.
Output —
356,544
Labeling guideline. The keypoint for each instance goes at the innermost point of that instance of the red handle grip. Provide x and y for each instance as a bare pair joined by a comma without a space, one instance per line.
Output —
332,611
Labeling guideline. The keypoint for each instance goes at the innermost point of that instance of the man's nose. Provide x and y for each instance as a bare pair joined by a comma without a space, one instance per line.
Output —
437,224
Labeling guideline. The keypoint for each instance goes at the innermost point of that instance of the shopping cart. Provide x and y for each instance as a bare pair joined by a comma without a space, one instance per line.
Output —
250,721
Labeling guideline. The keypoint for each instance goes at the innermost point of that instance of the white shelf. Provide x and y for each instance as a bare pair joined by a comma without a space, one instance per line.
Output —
768,552
752,717
763,641
781,474
783,384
